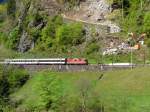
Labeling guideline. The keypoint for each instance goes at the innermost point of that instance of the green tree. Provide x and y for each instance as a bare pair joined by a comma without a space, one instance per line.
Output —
47,36
4,85
91,48
48,33
16,78
11,79
70,34
49,89
14,37
146,25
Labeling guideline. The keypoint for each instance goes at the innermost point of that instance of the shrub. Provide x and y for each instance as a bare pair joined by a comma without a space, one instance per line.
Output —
148,43
46,88
4,85
47,36
14,38
70,34
146,25
50,88
16,78
48,33
11,79
3,38
93,47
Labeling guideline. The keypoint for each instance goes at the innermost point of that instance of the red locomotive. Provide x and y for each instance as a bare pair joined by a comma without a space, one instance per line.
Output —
76,61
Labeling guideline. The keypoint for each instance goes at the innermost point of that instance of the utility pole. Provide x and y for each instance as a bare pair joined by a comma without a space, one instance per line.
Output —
131,58
112,60
122,10
101,59
144,56
131,50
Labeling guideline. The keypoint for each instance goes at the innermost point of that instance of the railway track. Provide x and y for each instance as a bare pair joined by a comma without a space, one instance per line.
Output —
64,64
71,68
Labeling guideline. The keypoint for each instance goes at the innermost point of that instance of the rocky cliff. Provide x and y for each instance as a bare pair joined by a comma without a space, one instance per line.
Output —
32,16
94,12
35,11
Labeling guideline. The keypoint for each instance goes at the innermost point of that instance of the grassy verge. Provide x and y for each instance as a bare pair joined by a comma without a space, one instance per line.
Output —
118,91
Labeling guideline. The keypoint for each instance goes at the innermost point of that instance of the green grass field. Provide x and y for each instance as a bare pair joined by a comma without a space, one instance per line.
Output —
119,91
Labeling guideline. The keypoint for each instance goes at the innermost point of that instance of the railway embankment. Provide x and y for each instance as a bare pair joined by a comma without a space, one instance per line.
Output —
74,68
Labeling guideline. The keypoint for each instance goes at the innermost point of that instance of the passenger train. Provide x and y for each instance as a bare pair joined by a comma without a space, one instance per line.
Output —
60,61
48,61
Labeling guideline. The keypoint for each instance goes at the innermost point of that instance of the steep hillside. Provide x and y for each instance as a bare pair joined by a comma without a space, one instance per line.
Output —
32,23
72,28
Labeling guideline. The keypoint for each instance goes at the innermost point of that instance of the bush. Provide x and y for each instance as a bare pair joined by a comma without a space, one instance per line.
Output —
146,25
48,33
16,78
14,37
46,88
4,85
3,38
70,34
50,88
93,47
47,36
11,79
148,43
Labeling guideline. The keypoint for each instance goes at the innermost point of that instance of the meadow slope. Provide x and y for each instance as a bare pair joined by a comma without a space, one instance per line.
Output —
118,91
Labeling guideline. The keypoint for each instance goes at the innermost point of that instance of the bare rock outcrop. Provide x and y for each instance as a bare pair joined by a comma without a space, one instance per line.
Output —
94,12
51,7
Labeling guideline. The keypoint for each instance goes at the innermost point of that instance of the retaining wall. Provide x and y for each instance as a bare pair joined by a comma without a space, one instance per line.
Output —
72,68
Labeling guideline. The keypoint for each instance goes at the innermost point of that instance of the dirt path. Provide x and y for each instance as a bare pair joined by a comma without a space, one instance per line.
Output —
113,28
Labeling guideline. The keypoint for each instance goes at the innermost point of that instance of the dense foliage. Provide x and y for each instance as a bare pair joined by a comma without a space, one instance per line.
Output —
57,34
53,93
70,34
11,79
13,38
48,89
135,16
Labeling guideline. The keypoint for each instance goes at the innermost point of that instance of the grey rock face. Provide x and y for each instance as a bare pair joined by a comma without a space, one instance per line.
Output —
94,12
24,43
99,8
113,28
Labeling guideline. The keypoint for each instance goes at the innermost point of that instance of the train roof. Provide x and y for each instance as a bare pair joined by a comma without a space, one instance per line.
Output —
42,59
